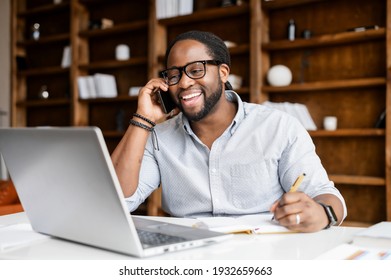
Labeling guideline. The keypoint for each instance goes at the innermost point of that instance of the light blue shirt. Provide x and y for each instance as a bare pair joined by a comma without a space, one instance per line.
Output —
250,166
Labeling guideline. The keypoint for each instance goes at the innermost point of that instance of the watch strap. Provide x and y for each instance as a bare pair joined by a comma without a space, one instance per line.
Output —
330,215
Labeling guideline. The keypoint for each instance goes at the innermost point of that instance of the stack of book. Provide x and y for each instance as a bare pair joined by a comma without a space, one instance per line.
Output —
173,8
97,86
299,111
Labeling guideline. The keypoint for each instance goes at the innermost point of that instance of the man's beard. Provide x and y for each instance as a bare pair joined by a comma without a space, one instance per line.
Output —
210,103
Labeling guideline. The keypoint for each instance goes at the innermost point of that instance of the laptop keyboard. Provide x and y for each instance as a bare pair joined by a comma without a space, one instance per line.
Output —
149,238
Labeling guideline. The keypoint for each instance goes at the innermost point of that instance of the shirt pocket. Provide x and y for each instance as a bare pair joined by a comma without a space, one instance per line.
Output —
250,184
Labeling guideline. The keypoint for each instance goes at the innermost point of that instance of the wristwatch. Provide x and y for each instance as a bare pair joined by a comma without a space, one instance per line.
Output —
330,215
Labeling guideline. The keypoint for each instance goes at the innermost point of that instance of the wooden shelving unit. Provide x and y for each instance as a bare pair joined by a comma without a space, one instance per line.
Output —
342,73
33,72
335,72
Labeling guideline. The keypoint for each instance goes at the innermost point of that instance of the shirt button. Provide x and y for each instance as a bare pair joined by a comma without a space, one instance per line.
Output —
214,170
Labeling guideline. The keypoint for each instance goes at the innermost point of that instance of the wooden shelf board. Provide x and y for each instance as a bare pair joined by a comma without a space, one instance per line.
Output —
46,40
326,85
92,2
120,98
121,28
50,8
358,180
114,63
44,102
208,14
271,4
367,132
53,70
326,40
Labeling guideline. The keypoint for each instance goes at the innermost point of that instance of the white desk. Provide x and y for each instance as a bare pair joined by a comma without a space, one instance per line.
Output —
290,246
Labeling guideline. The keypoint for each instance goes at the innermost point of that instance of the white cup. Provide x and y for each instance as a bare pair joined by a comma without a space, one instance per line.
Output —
122,52
330,123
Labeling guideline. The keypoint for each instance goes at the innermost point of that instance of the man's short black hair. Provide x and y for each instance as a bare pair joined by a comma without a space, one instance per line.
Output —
215,46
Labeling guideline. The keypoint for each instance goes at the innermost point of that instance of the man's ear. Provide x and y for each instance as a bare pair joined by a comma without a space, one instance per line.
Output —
224,72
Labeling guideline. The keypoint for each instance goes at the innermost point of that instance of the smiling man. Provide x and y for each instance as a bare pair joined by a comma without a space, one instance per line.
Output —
215,155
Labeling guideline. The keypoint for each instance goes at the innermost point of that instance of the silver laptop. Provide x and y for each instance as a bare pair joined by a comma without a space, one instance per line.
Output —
69,189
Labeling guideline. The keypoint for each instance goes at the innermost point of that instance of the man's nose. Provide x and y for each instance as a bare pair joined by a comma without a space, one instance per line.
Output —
185,81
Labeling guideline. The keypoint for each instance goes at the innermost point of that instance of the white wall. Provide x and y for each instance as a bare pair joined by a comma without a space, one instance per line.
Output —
5,54
5,76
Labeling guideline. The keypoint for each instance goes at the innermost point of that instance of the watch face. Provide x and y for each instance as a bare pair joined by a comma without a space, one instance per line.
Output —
330,215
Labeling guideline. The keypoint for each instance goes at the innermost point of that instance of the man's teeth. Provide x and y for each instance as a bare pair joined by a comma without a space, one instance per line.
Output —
190,96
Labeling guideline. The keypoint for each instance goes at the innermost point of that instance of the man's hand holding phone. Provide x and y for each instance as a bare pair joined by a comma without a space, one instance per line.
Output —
155,101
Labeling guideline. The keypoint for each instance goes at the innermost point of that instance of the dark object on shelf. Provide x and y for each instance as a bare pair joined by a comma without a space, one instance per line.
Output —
21,63
227,3
101,23
307,34
381,122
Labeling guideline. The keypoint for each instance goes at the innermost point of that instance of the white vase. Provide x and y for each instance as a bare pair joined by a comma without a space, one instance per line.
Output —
279,75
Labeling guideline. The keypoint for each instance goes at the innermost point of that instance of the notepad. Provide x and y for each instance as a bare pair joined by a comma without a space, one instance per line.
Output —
250,224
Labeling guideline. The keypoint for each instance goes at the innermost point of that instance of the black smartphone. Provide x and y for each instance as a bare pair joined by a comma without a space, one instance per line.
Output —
166,101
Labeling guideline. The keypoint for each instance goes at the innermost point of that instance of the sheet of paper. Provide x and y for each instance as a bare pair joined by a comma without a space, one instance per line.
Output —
18,235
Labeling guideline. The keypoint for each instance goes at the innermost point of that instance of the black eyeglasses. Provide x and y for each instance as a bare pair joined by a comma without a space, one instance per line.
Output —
194,70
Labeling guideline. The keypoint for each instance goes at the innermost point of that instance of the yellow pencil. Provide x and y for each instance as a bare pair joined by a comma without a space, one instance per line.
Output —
297,183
